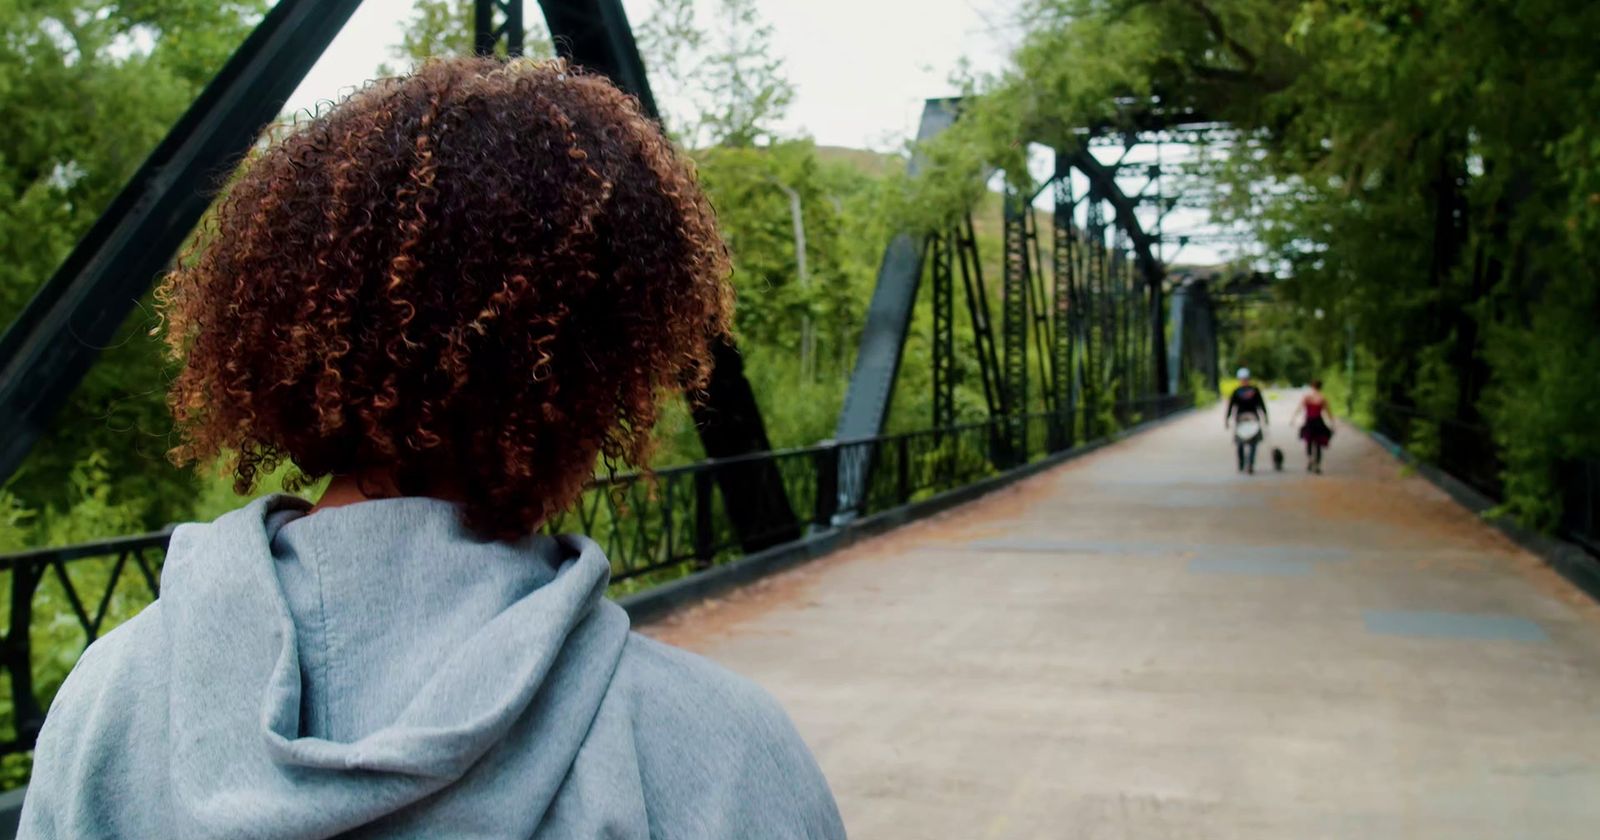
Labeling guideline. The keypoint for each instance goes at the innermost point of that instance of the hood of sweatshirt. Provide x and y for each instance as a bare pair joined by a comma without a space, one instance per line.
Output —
378,671
330,671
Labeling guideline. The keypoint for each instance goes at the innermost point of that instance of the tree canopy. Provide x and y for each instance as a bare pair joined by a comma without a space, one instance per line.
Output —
87,89
1427,174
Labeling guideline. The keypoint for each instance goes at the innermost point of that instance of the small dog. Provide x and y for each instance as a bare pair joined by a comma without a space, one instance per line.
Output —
1277,459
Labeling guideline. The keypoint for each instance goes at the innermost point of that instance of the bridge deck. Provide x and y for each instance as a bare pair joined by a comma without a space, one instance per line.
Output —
1144,644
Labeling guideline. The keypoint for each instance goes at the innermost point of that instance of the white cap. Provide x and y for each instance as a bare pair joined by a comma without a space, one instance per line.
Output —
1244,373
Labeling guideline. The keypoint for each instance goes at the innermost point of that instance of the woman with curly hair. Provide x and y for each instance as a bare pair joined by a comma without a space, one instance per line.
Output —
451,295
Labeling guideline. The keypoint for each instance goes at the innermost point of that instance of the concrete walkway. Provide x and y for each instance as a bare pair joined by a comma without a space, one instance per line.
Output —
1145,644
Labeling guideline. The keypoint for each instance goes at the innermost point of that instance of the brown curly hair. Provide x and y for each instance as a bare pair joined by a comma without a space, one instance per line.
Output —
475,281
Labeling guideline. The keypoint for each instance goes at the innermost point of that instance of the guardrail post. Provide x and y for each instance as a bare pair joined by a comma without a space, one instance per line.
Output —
903,477
827,502
704,522
25,711
1591,472
1591,480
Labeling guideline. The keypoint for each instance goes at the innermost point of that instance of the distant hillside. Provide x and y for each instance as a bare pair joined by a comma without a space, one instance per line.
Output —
865,160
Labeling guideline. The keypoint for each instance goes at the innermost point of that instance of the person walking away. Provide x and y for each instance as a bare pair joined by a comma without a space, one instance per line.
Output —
452,295
1316,431
1247,412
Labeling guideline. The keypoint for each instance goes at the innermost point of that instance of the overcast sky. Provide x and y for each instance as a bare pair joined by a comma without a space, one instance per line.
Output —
861,68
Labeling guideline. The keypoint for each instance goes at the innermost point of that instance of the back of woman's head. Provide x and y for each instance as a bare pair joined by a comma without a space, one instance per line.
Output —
474,281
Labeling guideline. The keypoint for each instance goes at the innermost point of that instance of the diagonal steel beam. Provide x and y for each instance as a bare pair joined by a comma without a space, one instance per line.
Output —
1104,181
595,34
45,354
866,403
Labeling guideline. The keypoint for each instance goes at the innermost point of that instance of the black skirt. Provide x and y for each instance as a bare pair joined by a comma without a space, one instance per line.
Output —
1316,431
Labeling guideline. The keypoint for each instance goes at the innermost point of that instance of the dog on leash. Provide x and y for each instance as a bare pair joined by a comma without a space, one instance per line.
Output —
1277,459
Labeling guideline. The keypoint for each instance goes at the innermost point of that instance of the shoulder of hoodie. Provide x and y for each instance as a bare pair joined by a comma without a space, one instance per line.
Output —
110,676
671,685
107,700
129,659
703,725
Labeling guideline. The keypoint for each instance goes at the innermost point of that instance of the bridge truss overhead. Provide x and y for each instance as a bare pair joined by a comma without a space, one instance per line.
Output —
1092,317
58,336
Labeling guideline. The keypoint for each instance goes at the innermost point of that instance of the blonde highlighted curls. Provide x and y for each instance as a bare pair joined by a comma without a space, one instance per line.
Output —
475,280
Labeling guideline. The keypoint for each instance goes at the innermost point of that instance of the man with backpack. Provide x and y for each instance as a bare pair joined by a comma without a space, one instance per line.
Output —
1247,413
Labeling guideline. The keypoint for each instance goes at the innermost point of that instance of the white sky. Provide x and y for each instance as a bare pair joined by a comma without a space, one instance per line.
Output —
861,68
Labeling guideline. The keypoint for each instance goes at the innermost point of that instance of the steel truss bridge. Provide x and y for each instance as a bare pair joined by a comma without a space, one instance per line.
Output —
1091,336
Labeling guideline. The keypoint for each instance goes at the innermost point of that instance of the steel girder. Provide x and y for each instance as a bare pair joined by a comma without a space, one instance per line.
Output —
58,336
595,35
487,33
942,250
1104,183
1066,335
866,403
1014,293
977,296
45,354
1194,334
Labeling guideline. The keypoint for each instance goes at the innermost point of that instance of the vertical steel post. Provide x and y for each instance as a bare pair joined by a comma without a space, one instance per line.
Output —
1063,331
1115,274
1014,324
1350,368
483,35
26,713
704,520
1176,367
1039,308
486,33
1095,330
827,501
515,31
941,246
903,468
977,294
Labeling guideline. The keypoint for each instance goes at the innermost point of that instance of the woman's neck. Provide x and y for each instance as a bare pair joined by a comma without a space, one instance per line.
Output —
370,486
351,489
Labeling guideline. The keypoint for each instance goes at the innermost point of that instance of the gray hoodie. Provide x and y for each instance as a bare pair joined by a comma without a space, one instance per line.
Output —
377,671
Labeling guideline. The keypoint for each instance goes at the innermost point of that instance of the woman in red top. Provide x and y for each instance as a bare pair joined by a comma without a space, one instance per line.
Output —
1316,431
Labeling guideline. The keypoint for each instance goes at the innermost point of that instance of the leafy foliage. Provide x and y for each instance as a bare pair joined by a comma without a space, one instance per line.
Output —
137,65
87,88
1429,174
719,83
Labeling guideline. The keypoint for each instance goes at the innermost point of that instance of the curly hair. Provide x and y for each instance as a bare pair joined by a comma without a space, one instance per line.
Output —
476,281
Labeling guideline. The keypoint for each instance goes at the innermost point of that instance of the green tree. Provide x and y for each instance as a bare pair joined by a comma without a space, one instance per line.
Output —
1430,174
87,88
668,39
844,237
745,92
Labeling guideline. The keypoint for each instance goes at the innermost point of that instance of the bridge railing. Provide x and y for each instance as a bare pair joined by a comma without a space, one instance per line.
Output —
653,527
1469,453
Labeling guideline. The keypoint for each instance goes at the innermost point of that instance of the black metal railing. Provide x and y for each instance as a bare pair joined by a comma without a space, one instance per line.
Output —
120,577
653,527
1579,483
1464,450
1469,453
